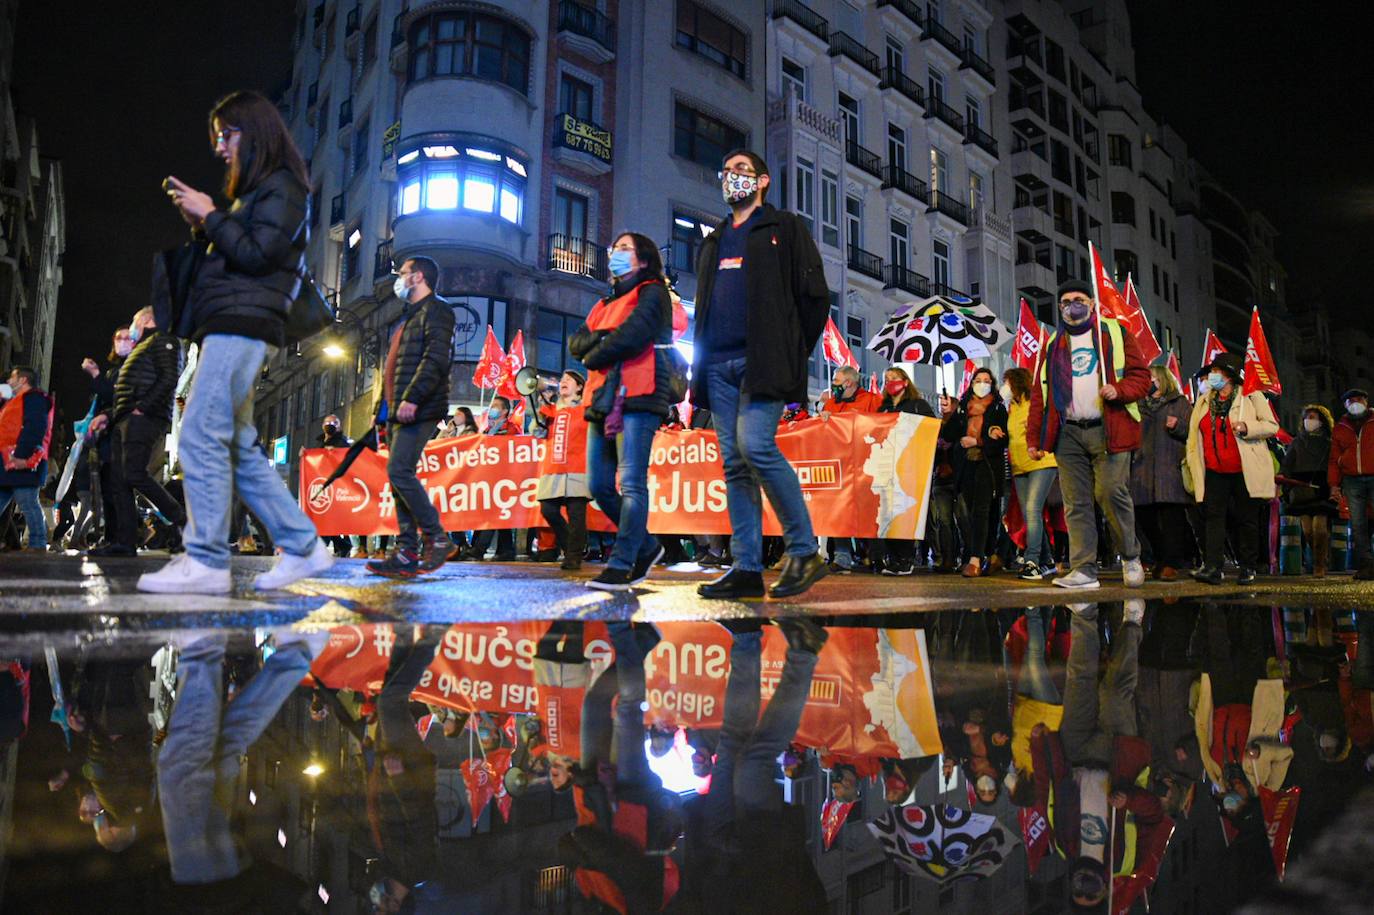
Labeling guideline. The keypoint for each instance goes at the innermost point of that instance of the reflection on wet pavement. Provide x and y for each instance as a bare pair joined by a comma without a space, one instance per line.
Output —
1110,757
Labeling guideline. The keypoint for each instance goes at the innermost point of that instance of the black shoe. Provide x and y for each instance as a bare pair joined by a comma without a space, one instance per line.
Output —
1209,575
710,559
798,575
1246,576
505,557
400,564
642,566
611,580
562,643
733,585
435,553
110,550
571,565
803,634
740,627
545,556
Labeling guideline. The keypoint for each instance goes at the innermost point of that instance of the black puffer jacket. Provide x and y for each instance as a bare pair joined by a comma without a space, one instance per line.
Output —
424,360
250,272
148,379
651,323
788,306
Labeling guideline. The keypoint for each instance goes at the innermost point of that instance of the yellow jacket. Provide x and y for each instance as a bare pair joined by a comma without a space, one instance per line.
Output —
1021,462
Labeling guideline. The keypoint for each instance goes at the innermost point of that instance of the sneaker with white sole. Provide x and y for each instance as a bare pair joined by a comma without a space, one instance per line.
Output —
1133,611
1133,573
184,575
1077,581
291,568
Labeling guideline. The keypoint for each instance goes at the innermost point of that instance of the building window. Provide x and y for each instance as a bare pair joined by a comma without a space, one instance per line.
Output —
1061,163
1154,275
552,330
939,262
794,78
975,191
360,135
939,169
854,221
830,209
575,98
445,176
849,116
935,84
570,214
896,147
1063,263
973,111
1166,285
935,12
1119,150
703,32
688,234
899,243
353,248
1054,60
857,338
1152,223
1123,209
1126,265
702,138
1176,302
806,193
370,43
473,44
896,55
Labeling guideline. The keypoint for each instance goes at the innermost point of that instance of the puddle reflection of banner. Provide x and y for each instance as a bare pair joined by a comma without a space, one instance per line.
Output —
869,696
863,475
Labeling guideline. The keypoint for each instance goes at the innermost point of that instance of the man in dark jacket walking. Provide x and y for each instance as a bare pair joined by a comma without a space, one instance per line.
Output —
762,302
140,417
25,436
417,379
1351,473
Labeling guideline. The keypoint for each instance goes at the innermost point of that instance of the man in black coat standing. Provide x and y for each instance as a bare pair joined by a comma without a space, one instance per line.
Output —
762,302
416,376
140,418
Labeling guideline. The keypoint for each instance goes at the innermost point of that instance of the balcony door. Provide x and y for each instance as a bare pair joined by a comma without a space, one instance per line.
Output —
570,251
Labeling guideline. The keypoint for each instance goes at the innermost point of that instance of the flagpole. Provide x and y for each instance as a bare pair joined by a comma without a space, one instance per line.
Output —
1097,305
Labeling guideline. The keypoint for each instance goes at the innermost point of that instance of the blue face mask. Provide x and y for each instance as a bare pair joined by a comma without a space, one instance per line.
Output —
135,333
621,262
1216,381
494,412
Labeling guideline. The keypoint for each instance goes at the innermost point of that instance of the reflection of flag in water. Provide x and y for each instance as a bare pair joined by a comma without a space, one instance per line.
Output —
833,816
939,331
946,844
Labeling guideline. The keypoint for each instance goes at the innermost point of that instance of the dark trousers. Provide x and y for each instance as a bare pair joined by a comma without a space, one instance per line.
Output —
1165,526
1225,497
572,533
415,514
976,491
505,542
136,439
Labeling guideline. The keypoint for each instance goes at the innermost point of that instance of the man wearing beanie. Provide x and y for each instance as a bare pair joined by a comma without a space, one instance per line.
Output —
1083,410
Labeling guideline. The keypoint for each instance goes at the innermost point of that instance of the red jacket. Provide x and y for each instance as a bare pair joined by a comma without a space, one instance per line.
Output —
1123,430
863,402
1352,449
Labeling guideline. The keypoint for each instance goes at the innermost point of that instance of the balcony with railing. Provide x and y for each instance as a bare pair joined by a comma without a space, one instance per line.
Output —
568,254
939,108
981,138
381,265
804,16
899,179
943,37
948,206
946,290
908,8
971,61
865,262
587,29
846,45
904,85
863,159
907,280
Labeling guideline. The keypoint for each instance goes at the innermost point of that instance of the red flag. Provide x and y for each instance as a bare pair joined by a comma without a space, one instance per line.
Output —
1280,810
833,347
969,369
1030,337
481,781
511,365
1140,325
491,364
833,816
1260,372
423,725
1035,832
1177,371
1114,305
1211,348
873,386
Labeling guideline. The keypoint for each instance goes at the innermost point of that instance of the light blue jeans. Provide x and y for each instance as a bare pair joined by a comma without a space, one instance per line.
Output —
627,506
198,763
26,497
1031,491
220,453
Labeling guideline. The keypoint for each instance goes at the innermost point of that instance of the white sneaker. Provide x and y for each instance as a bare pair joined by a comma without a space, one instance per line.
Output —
289,568
1133,573
1077,581
184,575
1133,611
315,639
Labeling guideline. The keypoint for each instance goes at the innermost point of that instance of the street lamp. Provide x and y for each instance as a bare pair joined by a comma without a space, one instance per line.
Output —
314,770
334,351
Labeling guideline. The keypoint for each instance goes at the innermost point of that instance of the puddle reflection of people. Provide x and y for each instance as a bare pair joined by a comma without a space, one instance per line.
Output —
198,763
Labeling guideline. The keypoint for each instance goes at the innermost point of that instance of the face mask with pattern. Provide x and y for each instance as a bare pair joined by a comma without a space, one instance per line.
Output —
737,188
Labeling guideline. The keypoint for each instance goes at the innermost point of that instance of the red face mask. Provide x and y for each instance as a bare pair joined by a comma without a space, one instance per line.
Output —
895,387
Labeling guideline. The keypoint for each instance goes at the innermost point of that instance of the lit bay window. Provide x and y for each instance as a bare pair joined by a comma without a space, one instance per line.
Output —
445,176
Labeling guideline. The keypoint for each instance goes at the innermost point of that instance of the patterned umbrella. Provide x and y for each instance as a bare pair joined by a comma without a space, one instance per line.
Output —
940,330
945,844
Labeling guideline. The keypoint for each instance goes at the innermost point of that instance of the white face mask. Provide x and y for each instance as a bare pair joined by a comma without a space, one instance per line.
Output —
1005,391
1312,425
401,289
1355,408
124,347
982,388
6,392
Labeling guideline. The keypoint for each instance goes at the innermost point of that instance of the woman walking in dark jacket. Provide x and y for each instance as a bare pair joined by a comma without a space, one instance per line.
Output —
901,396
1161,502
1309,495
976,428
243,288
626,397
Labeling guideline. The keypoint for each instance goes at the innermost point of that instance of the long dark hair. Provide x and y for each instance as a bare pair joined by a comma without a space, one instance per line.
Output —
646,252
265,144
910,392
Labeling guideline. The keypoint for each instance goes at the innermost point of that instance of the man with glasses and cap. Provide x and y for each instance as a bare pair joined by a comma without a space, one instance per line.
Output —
1084,411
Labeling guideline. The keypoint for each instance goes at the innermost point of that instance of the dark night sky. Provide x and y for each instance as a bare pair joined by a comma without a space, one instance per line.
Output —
1273,101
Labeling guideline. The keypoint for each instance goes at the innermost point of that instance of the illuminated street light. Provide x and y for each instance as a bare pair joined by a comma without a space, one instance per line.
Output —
333,350
314,770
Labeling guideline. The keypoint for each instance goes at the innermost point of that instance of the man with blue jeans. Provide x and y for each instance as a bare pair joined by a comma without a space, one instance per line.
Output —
25,431
762,302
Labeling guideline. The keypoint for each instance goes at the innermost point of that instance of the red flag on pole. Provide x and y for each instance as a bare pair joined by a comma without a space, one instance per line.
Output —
1140,325
491,364
1177,371
969,368
833,816
1211,348
1122,308
1260,372
835,350
1280,809
1030,338
513,363
873,386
